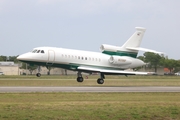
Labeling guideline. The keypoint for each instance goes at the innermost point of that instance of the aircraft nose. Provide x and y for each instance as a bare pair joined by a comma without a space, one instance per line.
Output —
19,57
22,57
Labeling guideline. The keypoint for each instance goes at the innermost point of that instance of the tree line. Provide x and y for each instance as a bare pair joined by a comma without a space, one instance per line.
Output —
153,60
9,58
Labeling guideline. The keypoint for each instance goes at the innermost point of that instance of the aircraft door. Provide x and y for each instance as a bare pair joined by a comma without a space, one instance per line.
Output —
51,57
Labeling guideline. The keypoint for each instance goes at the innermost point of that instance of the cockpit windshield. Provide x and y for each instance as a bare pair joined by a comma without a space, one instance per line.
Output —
34,51
38,51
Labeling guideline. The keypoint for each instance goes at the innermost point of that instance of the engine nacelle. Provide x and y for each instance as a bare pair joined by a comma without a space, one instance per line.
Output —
111,48
120,60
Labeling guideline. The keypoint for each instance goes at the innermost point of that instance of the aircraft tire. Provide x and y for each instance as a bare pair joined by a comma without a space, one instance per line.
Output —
80,79
100,81
38,74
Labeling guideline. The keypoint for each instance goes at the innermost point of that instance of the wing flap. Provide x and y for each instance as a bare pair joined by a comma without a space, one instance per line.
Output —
144,49
110,72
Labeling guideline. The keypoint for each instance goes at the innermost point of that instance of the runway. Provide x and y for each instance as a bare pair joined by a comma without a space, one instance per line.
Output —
87,89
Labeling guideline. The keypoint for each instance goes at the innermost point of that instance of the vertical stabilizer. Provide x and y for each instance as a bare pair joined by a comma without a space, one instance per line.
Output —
135,39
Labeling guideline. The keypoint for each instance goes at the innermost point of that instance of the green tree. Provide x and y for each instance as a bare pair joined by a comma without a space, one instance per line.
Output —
9,58
31,68
13,58
170,64
153,60
3,58
141,58
177,68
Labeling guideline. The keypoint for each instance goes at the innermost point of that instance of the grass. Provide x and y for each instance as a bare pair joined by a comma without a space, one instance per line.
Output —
90,106
91,81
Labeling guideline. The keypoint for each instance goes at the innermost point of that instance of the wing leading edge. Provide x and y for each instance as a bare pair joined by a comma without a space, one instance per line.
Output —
110,72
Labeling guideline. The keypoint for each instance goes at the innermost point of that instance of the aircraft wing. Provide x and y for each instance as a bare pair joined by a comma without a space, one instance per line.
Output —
110,72
144,49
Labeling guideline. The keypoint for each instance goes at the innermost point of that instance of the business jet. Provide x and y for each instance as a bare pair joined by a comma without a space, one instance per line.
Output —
112,60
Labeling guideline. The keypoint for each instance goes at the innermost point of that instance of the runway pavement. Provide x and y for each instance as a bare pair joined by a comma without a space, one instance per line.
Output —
87,89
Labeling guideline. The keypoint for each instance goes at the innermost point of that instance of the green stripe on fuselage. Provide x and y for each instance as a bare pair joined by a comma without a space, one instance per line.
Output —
121,53
70,66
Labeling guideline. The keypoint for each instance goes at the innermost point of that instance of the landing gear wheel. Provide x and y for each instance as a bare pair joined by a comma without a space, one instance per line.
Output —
80,79
100,81
38,74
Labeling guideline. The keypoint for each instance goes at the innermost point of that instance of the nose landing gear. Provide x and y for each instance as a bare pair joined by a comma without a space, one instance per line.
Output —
38,74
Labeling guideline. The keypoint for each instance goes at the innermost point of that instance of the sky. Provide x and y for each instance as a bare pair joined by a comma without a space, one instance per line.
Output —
87,24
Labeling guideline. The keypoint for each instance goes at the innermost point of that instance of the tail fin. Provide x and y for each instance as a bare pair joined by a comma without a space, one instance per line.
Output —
129,47
135,39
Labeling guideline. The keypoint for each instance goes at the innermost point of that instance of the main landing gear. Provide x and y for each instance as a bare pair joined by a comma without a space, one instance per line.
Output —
79,78
99,80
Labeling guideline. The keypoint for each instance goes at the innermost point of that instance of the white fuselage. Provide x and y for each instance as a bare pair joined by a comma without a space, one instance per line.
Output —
73,58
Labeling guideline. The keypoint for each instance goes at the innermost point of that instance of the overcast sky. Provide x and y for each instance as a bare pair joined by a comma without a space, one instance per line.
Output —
86,24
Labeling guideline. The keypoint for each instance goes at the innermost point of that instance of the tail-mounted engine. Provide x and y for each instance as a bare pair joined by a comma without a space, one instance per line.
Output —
120,60
111,48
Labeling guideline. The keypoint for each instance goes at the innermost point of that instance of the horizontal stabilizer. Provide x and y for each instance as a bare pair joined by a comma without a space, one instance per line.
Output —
144,49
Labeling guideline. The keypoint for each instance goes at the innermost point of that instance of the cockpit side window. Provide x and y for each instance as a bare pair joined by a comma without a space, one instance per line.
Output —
42,51
38,51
